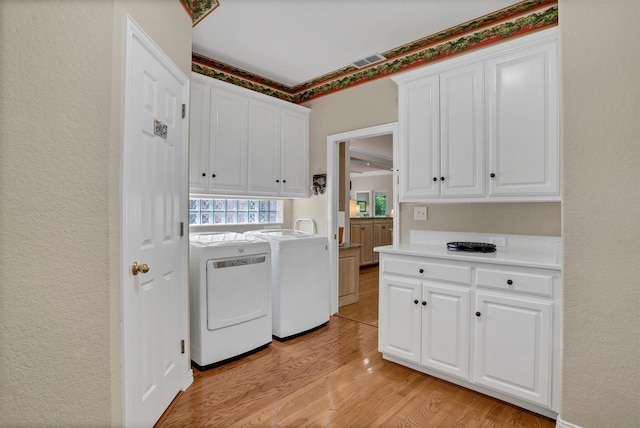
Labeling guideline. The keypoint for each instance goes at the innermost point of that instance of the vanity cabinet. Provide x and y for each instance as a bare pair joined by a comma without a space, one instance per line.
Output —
484,326
482,127
246,143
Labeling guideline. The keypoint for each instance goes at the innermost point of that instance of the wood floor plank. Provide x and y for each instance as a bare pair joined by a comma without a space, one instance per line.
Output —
333,377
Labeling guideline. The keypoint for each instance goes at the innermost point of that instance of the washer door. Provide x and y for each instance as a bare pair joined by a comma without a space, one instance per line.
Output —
237,290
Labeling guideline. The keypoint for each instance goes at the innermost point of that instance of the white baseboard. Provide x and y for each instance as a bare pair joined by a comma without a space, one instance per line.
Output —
564,424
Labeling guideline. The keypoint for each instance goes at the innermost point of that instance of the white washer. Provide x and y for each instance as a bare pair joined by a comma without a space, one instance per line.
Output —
300,281
230,297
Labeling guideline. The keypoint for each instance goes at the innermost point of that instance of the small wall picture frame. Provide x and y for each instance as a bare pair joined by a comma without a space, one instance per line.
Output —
363,206
319,183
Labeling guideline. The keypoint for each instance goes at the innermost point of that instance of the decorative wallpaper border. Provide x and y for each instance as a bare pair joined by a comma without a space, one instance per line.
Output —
199,9
517,20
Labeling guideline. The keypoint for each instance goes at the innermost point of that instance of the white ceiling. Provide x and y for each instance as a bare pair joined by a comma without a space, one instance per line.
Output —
294,41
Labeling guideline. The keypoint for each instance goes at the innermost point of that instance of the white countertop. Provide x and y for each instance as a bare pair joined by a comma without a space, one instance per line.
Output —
520,250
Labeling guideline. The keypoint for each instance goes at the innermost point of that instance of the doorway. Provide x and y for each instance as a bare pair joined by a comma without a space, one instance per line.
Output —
333,170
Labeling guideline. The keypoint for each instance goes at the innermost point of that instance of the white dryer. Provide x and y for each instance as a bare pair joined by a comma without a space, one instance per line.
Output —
230,297
300,281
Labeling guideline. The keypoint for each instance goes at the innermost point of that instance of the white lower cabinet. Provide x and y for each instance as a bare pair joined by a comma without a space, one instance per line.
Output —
513,346
485,326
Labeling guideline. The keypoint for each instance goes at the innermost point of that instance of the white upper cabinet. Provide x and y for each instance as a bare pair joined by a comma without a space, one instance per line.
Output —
482,127
294,171
523,122
462,132
246,143
229,143
199,137
419,109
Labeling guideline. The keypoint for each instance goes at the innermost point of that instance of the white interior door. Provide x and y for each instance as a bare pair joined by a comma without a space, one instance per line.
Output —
154,201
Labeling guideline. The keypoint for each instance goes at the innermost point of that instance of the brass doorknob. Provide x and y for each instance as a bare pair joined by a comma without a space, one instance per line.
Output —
139,267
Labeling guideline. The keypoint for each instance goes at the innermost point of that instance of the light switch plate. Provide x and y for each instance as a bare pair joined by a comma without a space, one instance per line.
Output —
419,213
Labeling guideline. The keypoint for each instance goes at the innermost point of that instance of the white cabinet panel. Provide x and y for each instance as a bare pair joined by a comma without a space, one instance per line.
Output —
523,122
513,346
199,137
229,142
295,154
462,132
264,148
419,110
445,329
399,331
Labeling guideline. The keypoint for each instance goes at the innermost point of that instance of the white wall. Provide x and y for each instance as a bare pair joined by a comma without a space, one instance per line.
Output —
59,212
600,128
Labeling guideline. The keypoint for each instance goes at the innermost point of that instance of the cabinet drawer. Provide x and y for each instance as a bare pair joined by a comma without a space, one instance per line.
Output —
515,281
417,268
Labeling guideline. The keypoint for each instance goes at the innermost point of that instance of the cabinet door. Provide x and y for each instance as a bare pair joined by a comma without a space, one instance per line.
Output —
399,325
418,110
523,122
348,276
462,132
381,235
445,329
366,239
295,154
264,148
199,119
228,171
513,346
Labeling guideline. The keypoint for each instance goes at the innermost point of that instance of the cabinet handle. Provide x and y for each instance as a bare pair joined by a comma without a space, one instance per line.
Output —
421,270
478,314
435,178
415,301
509,282
492,175
284,181
204,174
441,178
213,175
424,303
277,181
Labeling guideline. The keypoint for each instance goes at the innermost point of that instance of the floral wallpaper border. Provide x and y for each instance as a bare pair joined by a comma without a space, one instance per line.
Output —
517,20
199,9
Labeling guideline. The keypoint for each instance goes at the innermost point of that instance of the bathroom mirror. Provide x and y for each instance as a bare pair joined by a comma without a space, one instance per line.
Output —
363,204
382,203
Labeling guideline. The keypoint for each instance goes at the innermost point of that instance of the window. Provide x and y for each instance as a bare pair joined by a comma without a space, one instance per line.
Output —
233,211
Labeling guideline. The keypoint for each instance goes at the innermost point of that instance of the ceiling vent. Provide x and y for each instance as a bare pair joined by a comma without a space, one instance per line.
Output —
368,61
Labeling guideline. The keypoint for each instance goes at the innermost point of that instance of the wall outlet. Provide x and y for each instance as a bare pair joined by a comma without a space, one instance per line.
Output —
419,213
498,241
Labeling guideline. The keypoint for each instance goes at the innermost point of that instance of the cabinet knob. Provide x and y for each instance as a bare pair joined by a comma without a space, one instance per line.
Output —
492,175
421,270
509,282
204,174
284,181
277,181
441,178
435,178
415,301
424,303
213,175
478,314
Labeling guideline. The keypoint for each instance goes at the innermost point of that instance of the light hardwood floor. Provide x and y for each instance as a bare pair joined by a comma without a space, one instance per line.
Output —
334,377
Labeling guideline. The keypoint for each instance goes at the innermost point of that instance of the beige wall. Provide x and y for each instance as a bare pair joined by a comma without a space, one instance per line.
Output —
59,211
600,128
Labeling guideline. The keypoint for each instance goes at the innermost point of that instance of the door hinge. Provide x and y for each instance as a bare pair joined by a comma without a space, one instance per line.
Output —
184,110
182,346
182,228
